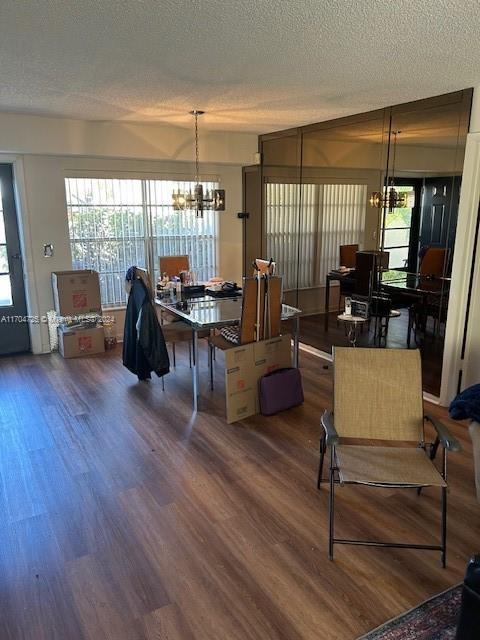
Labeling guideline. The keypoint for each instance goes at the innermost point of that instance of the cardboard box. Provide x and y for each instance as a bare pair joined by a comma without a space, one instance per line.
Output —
240,382
74,343
244,366
273,354
76,293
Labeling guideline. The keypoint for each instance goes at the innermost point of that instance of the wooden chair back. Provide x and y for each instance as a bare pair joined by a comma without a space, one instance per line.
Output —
348,255
364,271
378,394
434,262
369,264
173,265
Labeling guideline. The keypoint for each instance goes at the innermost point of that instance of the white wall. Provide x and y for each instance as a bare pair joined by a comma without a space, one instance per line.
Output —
112,150
453,363
471,362
26,134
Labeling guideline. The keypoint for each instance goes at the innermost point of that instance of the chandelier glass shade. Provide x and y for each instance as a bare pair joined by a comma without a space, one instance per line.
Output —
197,200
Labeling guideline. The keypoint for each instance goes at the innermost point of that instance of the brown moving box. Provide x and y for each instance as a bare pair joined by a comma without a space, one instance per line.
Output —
240,382
76,292
73,343
273,354
245,365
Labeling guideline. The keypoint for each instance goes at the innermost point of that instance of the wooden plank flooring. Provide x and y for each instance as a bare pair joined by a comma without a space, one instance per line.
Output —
312,332
124,517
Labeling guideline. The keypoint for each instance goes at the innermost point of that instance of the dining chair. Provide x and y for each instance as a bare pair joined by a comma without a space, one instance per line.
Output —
434,262
348,258
348,255
378,398
173,265
177,330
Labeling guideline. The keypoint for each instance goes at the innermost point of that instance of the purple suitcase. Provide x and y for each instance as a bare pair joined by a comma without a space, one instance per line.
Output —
280,390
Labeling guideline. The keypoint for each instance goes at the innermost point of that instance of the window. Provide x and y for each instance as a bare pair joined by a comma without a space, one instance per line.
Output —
397,229
331,215
5,283
117,223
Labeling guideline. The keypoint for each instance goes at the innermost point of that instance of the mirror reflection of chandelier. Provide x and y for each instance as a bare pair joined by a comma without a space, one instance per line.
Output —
390,199
197,200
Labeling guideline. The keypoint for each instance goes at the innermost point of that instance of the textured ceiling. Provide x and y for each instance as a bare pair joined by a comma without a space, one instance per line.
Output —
253,65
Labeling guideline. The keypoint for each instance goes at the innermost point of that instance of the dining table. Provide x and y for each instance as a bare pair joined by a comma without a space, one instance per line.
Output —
421,287
429,291
210,312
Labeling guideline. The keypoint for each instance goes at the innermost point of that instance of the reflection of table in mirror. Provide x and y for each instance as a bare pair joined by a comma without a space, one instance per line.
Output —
409,282
430,292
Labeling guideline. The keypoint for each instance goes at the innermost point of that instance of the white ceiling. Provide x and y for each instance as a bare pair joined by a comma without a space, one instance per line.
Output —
253,65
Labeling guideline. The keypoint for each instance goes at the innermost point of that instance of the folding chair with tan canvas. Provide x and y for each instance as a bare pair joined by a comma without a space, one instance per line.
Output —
378,397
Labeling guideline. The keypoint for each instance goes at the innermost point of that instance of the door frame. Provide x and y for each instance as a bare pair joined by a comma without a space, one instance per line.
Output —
26,247
453,362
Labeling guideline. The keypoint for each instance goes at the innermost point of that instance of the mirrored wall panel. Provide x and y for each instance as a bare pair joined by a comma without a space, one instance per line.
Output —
360,216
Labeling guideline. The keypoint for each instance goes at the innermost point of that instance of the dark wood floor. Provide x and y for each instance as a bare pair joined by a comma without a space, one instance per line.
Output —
124,517
313,333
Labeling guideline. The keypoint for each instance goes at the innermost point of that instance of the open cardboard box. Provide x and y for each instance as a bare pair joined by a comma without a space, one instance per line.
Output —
244,366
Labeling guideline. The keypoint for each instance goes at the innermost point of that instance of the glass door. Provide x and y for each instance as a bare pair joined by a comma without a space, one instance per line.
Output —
400,229
14,333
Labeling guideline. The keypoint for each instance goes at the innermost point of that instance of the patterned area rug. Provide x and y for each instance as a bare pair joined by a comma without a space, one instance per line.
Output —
434,619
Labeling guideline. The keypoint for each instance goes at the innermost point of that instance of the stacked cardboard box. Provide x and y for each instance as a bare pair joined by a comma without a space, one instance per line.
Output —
76,296
245,365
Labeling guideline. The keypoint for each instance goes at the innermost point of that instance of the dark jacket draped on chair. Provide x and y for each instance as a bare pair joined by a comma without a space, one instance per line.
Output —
144,348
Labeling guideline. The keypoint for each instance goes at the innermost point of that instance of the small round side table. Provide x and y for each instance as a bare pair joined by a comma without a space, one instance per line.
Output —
352,323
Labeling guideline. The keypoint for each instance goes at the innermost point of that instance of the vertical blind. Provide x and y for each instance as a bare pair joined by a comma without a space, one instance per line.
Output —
306,224
115,223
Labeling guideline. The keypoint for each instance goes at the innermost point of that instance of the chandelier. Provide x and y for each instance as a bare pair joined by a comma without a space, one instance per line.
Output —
197,200
390,199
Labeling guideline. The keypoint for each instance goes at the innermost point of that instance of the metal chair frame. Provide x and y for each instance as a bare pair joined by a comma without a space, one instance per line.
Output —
329,438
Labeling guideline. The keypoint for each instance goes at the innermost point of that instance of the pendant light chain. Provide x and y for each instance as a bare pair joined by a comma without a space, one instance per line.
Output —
197,161
392,177
196,200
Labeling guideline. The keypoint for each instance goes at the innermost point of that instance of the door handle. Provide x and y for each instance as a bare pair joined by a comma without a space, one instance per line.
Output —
16,256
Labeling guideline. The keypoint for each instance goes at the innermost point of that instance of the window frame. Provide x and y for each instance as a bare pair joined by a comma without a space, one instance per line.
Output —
412,246
317,205
149,239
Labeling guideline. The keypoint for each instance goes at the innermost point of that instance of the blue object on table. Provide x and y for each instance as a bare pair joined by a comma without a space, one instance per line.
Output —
466,404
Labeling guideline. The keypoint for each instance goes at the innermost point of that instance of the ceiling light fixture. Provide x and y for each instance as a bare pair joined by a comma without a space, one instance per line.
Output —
198,201
391,198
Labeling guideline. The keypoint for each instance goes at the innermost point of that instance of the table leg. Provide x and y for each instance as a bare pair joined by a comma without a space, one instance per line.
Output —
195,369
327,302
296,340
352,333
